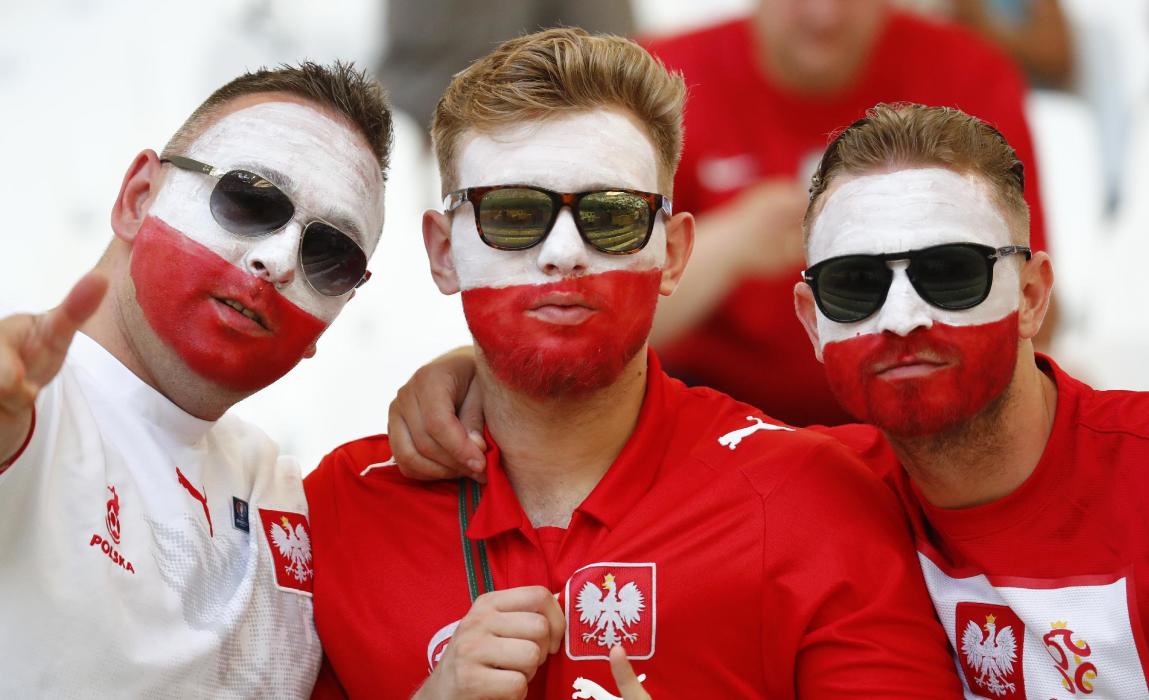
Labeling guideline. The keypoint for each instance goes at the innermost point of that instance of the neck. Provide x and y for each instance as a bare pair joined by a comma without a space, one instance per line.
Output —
992,454
555,450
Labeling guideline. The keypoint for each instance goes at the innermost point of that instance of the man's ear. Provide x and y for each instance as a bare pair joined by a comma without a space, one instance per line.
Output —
437,240
1036,287
139,188
806,311
679,244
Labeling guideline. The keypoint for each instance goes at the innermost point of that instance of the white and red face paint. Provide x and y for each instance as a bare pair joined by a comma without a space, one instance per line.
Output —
187,270
560,318
913,369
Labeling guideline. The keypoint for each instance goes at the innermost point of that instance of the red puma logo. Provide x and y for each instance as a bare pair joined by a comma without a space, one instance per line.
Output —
195,493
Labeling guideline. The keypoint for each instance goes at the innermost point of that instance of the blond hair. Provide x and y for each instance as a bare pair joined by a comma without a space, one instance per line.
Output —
559,71
340,88
910,135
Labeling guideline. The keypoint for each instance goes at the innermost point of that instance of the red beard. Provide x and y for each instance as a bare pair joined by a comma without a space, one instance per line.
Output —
979,363
544,359
179,283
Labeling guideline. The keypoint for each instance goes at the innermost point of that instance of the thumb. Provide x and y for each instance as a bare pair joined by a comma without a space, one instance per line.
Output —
629,685
56,328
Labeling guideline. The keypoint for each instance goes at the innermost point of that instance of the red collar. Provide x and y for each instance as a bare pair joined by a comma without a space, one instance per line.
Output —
625,482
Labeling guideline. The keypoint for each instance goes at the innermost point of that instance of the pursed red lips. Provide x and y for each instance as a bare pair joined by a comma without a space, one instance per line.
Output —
564,308
907,366
249,305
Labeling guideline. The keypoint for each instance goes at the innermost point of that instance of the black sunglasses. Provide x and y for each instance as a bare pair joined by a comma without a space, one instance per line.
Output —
517,217
953,276
248,205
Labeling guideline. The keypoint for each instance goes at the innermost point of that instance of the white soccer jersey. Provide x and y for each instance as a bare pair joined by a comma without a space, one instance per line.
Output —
147,553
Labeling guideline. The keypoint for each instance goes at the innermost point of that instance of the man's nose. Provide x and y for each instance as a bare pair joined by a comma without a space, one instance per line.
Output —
563,252
904,310
273,258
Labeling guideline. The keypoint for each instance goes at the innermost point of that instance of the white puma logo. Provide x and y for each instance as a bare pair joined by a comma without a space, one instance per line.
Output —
734,437
586,689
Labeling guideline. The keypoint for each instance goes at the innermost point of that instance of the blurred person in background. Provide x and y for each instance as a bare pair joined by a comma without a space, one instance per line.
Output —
429,41
151,545
765,91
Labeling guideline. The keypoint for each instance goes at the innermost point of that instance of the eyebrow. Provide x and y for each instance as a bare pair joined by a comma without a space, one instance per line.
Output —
287,183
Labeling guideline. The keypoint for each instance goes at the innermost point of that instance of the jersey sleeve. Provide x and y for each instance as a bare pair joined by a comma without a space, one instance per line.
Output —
844,576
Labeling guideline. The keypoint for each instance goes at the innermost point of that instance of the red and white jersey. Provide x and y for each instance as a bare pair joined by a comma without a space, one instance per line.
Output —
1045,593
147,553
729,555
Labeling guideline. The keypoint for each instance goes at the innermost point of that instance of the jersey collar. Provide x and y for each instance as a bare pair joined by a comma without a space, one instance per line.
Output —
629,477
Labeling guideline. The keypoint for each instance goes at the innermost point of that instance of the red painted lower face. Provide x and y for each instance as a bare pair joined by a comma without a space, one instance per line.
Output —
566,338
181,286
926,382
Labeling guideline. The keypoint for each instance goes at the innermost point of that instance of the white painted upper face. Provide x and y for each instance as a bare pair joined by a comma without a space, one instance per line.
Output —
324,167
598,149
909,210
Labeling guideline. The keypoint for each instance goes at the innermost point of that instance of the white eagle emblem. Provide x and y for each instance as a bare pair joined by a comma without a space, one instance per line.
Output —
610,614
991,658
295,547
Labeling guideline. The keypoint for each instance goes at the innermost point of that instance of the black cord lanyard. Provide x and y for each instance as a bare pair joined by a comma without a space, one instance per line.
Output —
469,547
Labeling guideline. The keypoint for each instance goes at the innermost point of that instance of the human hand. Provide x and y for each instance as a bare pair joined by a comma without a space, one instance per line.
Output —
32,350
435,423
628,684
763,227
498,646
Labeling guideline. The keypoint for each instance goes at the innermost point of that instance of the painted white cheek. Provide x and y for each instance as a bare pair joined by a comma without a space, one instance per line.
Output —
904,310
563,251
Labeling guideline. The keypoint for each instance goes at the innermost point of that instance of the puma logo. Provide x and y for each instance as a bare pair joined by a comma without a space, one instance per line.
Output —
734,437
586,689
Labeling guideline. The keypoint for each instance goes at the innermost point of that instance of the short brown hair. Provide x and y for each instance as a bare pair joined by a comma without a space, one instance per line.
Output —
339,87
559,71
908,135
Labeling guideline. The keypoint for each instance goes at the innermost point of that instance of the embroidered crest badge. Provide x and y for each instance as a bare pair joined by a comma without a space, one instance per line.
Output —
989,643
614,603
289,541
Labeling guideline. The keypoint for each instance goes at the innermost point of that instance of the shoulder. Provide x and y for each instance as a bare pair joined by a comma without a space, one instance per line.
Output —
1113,411
952,49
354,460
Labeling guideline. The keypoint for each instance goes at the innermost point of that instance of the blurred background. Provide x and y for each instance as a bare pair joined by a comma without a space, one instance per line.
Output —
85,85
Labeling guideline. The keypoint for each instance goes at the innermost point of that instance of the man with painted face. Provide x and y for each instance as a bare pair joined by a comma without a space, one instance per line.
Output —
624,515
149,544
1026,488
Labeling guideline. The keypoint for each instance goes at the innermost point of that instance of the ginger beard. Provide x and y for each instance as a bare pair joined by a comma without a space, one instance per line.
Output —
188,271
542,358
559,319
913,369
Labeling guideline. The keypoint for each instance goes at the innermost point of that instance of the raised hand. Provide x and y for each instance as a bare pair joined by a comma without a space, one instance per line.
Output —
498,646
32,350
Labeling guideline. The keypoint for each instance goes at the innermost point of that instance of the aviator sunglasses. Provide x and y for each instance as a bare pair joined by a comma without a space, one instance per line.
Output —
248,205
953,276
517,217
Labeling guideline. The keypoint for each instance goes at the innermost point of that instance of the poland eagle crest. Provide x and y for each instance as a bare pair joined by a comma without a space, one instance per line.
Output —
991,658
610,614
294,546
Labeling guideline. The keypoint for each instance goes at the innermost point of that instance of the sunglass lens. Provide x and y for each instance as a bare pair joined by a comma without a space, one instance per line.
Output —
851,288
951,276
333,262
248,205
514,218
615,222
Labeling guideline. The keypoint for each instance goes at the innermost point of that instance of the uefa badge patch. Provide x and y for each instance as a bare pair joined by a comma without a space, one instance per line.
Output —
610,603
989,643
289,541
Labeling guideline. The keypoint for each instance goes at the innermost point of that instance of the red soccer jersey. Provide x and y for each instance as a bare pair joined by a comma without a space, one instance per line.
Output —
755,561
741,128
1045,593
